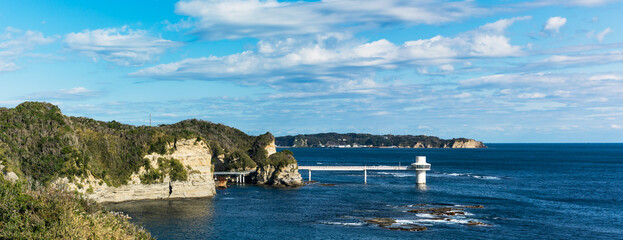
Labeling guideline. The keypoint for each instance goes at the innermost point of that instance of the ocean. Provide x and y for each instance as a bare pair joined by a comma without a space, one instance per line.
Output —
506,191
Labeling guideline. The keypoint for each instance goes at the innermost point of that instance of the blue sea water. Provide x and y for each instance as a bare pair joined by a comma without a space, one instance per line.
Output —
529,191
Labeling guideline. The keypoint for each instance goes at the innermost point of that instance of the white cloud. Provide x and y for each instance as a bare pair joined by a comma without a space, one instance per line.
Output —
582,3
554,24
231,19
516,79
122,46
532,95
447,67
600,36
605,77
77,93
334,57
15,42
463,95
615,126
558,61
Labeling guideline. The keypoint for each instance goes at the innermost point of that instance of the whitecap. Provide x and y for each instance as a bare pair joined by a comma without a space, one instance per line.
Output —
344,223
486,177
396,174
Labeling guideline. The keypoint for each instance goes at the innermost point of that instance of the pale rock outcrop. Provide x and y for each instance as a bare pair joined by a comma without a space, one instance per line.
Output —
191,153
470,143
271,148
286,176
10,176
455,143
421,145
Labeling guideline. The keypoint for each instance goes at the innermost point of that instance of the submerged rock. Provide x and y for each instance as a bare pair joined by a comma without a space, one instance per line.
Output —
391,224
474,206
382,222
441,211
476,223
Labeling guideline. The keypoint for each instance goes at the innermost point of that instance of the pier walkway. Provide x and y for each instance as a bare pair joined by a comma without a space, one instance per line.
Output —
352,168
239,175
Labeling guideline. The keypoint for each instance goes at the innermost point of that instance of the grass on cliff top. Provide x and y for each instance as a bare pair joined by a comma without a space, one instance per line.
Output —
54,214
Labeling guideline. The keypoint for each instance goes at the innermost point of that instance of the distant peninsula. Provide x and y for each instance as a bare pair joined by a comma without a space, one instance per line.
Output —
362,140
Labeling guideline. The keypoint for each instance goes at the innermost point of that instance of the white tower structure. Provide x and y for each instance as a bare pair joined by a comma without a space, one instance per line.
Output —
420,166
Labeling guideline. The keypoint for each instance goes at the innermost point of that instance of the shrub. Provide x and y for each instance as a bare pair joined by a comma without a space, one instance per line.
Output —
54,214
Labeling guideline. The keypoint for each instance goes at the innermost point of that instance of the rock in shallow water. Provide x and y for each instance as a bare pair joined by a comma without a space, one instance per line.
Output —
390,224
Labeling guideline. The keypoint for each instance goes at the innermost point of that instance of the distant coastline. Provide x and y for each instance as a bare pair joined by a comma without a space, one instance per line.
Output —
362,140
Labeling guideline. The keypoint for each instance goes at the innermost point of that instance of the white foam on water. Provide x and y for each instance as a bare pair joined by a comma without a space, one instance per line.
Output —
470,175
344,223
425,215
396,174
486,177
455,174
405,221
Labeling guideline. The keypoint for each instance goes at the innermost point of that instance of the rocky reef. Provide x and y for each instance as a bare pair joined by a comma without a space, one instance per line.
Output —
415,217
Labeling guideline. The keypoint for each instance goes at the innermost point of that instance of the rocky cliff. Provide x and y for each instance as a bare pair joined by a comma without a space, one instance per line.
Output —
194,156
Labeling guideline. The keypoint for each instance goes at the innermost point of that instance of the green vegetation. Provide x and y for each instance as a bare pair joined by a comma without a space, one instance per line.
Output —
38,142
369,140
280,159
53,214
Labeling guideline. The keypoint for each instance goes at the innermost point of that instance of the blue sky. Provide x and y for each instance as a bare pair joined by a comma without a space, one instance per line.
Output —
496,71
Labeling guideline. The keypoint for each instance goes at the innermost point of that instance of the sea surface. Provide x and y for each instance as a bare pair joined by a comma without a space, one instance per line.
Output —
528,191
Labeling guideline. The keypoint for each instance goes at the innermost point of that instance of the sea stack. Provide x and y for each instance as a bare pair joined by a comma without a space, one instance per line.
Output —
420,166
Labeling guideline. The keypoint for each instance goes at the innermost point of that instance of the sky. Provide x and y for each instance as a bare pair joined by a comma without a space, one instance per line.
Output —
495,71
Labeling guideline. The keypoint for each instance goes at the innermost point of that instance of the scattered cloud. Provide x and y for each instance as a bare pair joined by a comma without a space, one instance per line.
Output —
605,77
581,3
600,35
122,46
616,126
77,93
233,19
561,61
338,57
15,42
554,24
532,95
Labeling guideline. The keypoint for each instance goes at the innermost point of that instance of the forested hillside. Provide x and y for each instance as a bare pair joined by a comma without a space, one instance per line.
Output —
40,143
369,140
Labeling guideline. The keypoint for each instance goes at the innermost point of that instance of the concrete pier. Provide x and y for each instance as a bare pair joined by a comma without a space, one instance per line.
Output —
238,176
420,166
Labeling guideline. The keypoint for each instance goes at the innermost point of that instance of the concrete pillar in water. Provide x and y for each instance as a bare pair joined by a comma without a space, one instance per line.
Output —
420,166
309,175
365,175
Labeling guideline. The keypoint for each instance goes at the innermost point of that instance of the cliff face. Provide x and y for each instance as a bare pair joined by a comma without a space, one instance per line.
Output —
285,176
467,143
193,155
280,169
271,148
454,143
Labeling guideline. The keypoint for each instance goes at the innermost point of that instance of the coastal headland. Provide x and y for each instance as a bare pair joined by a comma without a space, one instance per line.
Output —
361,140
113,162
